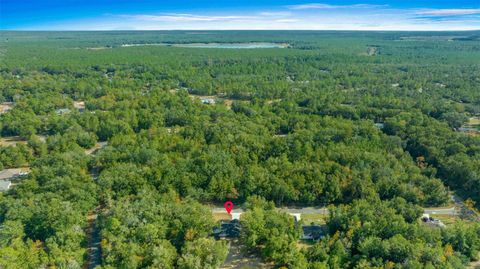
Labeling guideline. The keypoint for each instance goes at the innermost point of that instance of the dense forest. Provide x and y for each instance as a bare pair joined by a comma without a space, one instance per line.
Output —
144,133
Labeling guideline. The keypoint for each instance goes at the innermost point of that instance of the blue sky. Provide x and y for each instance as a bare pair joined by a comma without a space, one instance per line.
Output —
223,15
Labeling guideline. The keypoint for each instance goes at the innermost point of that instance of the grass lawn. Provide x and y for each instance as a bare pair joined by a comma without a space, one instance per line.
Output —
446,219
12,141
221,216
314,217
304,244
474,121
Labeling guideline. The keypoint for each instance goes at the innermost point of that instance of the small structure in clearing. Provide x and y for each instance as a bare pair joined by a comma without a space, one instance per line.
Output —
312,232
14,173
205,99
432,222
62,111
12,141
227,229
80,105
5,185
472,127
208,101
5,107
380,125
9,175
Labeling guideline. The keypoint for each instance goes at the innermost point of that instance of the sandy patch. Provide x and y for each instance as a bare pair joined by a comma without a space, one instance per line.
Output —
12,141
5,107
237,259
79,104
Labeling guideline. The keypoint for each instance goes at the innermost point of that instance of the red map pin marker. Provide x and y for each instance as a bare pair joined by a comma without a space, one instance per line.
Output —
228,206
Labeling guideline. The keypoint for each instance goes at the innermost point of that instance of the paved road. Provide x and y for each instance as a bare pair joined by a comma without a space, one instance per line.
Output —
323,210
441,211
291,210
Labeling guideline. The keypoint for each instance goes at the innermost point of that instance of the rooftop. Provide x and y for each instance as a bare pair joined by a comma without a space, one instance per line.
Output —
61,111
227,229
5,185
209,101
312,232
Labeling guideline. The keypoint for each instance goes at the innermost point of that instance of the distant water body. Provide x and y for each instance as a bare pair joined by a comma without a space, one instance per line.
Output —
253,45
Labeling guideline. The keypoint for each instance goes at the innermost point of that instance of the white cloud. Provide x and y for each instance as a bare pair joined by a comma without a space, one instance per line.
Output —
287,20
448,12
313,16
185,18
276,13
327,6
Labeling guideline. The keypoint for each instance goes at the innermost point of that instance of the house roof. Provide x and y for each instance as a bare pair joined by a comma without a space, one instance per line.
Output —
314,232
208,100
227,229
5,185
63,110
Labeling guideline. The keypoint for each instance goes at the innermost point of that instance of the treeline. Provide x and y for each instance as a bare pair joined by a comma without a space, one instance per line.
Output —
269,150
364,234
453,157
43,217
149,230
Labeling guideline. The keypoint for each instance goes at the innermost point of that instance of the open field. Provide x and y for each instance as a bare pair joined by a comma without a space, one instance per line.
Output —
446,219
474,121
12,141
315,218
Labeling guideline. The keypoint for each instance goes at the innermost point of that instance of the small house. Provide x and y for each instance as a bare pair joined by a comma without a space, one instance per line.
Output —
312,232
208,101
227,229
62,111
380,125
5,185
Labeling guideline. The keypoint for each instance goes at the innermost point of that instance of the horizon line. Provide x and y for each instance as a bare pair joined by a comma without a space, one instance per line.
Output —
218,30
